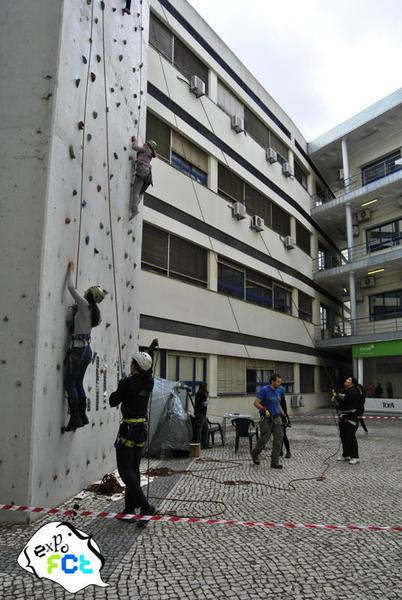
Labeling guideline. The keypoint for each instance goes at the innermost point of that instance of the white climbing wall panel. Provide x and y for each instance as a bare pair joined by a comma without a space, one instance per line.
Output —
73,93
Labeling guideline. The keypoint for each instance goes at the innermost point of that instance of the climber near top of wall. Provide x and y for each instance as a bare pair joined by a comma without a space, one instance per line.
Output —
86,315
143,172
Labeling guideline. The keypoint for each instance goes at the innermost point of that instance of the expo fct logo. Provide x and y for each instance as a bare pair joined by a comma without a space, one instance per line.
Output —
64,554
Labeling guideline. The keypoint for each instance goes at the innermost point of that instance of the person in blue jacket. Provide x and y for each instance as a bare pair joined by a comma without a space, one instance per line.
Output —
268,402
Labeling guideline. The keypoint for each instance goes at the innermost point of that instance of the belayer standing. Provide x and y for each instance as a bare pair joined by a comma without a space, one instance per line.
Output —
143,172
86,314
133,394
268,403
200,414
348,404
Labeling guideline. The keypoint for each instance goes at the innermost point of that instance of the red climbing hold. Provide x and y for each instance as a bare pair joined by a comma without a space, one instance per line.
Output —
81,125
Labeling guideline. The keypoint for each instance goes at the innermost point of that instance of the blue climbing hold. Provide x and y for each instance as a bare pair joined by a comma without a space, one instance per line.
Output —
87,238
83,203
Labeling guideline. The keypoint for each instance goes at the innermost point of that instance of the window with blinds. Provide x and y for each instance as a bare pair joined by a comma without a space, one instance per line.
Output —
286,371
188,63
280,220
160,132
307,379
228,102
300,174
282,299
264,136
258,288
230,185
160,37
303,238
155,244
305,306
257,204
231,376
173,256
230,279
189,151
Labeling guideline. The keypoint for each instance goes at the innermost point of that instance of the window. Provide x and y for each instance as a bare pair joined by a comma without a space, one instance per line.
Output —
155,244
300,174
303,238
382,377
322,257
384,236
160,37
192,370
188,63
230,280
386,306
381,168
282,299
305,307
307,379
231,376
175,257
258,373
160,132
280,220
264,136
189,159
230,185
228,102
172,48
258,288
257,204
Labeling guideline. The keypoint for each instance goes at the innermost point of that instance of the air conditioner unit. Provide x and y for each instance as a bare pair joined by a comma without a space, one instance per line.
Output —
286,170
356,231
257,223
272,156
197,86
368,282
289,242
237,123
239,211
296,401
363,215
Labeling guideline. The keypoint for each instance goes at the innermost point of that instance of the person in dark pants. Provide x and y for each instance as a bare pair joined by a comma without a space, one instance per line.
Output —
85,316
200,414
348,407
285,423
143,172
133,394
268,404
362,402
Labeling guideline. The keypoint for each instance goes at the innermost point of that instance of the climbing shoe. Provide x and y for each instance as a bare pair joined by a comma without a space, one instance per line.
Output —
75,421
82,411
276,466
149,510
256,459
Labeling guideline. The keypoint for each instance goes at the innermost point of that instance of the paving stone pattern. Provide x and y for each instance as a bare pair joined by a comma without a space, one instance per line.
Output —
181,561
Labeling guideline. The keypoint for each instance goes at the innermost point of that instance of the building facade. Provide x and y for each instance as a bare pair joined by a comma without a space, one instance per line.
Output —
228,237
361,161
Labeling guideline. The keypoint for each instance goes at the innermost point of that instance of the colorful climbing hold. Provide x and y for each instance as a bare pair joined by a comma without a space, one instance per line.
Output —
75,192
93,76
67,220
116,156
89,137
5,319
84,59
77,82
87,238
95,114
83,203
98,57
108,325
96,251
98,187
120,57
81,125
71,151
102,4
101,226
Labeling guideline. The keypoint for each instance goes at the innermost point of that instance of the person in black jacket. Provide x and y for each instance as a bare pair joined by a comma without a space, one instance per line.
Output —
200,414
133,394
348,404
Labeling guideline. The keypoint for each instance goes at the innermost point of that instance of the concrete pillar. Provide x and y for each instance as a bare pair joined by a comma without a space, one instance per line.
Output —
349,229
345,165
213,375
296,378
213,86
291,161
360,374
293,227
212,271
213,174
352,294
295,303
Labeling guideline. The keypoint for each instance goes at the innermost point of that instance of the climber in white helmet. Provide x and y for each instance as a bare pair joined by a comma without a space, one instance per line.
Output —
85,315
133,394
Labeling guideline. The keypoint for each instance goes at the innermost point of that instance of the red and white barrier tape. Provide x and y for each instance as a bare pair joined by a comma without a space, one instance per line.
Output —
206,521
366,417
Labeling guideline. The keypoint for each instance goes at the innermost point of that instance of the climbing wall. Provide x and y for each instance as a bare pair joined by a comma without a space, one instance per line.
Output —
67,198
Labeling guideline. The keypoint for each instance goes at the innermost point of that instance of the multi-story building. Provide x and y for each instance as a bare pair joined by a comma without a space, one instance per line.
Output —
361,161
228,237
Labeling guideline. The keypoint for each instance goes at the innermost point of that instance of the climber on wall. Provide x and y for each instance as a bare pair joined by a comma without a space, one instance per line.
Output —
86,314
143,172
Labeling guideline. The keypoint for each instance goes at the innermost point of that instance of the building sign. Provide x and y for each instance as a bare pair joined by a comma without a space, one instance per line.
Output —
373,349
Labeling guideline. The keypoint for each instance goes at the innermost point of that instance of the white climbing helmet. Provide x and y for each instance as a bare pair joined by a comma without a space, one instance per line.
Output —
143,360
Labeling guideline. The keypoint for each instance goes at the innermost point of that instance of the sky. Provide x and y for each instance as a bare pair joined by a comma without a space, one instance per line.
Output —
321,60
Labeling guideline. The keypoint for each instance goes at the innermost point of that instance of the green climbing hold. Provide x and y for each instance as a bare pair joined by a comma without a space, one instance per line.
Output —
71,151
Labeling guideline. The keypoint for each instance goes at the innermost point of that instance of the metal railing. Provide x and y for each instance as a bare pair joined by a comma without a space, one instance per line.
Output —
351,254
364,177
362,326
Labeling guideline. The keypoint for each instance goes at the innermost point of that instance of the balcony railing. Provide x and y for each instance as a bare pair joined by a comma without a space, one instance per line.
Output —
351,254
362,326
364,177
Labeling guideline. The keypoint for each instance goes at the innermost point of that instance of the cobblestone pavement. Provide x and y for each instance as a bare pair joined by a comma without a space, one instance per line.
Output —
174,561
